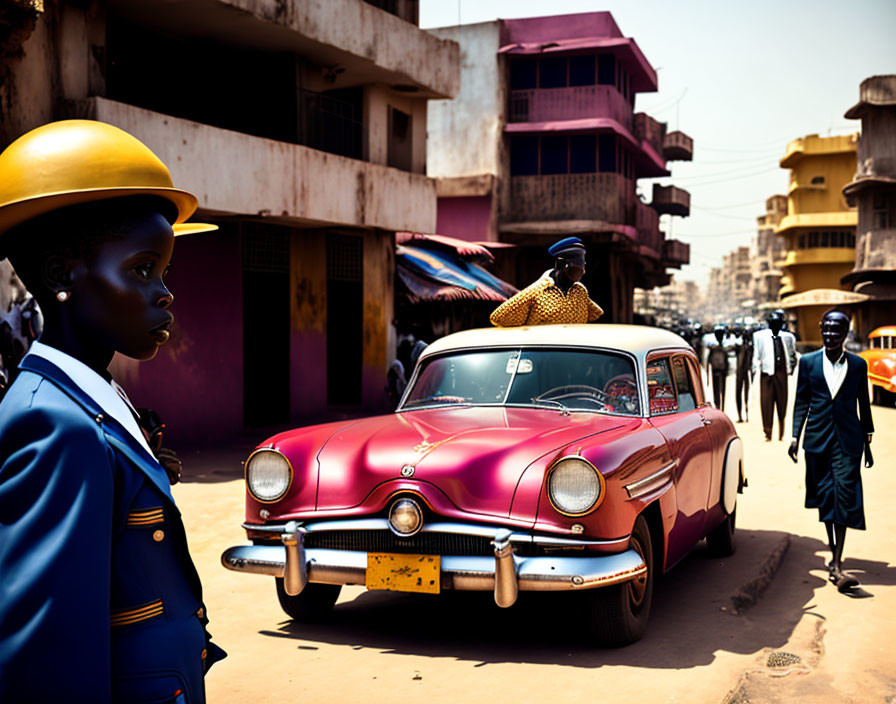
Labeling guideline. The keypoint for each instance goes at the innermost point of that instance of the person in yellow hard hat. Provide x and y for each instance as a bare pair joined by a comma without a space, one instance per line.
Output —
101,601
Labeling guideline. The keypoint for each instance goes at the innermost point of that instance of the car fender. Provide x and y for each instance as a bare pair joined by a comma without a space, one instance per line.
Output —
733,479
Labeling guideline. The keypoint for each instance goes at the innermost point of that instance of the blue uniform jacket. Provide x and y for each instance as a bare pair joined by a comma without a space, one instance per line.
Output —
826,418
99,598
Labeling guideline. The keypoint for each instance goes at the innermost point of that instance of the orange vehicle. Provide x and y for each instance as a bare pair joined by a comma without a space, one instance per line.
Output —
881,358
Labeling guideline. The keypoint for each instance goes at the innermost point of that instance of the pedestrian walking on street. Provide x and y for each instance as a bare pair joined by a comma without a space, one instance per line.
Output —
557,297
101,601
717,366
832,385
774,359
743,370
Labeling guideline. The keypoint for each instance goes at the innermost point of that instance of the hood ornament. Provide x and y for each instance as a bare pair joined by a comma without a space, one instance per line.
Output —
407,471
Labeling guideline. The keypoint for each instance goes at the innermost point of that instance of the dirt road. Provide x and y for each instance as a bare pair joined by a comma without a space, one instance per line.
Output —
384,647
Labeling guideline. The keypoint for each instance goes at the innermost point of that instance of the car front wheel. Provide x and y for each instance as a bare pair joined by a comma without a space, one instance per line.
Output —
313,604
619,613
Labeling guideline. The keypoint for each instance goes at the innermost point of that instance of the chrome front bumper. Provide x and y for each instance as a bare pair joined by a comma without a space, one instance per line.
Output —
505,574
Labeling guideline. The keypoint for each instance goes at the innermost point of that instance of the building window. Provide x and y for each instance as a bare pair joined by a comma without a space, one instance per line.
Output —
583,154
528,73
524,155
606,153
841,239
883,214
554,154
550,154
817,181
400,146
606,70
524,74
581,70
552,72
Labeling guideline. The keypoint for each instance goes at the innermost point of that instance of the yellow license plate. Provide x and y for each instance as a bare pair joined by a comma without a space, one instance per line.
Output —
403,573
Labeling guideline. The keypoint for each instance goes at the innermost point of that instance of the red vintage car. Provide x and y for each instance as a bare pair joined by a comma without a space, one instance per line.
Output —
554,458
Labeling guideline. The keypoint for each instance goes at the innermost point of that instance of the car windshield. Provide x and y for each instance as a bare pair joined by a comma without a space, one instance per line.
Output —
562,379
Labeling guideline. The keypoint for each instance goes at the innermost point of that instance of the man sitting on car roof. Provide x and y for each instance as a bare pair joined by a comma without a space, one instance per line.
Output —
557,297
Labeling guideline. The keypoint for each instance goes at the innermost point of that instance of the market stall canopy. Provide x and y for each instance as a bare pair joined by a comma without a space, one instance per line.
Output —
471,251
822,297
435,274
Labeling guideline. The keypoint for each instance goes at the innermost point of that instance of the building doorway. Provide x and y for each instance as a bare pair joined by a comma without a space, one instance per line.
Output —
345,319
265,324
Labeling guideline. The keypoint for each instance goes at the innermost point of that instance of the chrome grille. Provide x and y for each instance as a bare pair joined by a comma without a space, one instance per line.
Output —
419,544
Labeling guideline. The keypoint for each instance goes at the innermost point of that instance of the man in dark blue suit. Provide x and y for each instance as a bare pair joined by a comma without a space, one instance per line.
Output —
832,402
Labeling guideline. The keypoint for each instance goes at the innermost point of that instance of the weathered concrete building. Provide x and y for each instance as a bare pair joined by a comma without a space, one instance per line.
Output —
543,142
819,230
301,127
873,191
768,253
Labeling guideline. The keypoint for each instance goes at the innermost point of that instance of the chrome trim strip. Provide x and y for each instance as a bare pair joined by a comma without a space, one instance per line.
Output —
440,527
458,573
652,482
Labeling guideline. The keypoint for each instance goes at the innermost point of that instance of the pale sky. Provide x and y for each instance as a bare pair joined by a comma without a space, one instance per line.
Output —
742,79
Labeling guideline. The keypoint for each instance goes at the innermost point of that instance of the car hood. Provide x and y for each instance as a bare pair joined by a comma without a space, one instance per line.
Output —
473,455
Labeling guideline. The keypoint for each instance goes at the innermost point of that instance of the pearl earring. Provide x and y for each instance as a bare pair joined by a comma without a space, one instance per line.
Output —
63,296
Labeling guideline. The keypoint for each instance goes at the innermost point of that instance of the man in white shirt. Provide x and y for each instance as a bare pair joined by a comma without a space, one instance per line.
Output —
774,358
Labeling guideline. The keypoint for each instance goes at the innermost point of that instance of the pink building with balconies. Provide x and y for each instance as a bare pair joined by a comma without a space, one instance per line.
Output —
543,142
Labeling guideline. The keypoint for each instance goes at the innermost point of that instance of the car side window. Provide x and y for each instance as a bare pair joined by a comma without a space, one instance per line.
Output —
696,381
660,388
686,399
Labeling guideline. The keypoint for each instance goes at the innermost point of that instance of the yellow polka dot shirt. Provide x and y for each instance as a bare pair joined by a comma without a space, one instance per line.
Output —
544,303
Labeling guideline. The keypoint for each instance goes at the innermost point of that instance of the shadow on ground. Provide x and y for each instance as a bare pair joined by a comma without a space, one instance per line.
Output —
691,620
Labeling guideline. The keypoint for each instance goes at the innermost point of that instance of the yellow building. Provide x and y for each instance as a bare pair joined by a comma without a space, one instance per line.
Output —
819,229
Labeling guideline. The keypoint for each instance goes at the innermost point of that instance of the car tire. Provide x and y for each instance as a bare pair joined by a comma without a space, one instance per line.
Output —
619,613
720,541
313,604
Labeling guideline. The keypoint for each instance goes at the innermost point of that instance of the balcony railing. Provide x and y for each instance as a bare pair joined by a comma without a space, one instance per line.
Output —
670,200
676,253
607,198
677,146
547,104
651,131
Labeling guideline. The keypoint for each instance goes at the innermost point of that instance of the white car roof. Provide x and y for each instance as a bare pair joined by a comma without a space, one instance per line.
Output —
637,339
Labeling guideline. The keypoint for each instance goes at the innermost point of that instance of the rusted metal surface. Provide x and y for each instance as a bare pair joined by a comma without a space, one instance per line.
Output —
605,197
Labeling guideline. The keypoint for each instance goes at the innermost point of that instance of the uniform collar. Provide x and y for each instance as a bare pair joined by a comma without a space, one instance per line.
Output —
94,386
115,432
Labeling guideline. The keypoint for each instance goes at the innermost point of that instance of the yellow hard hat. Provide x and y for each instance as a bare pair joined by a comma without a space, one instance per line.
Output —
79,161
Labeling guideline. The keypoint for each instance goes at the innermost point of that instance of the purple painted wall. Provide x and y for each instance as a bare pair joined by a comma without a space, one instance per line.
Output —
466,218
195,382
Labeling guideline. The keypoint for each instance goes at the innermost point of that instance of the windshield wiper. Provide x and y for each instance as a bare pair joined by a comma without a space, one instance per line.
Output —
563,409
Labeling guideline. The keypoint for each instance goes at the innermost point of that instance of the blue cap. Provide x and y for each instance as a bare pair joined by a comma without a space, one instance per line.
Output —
564,245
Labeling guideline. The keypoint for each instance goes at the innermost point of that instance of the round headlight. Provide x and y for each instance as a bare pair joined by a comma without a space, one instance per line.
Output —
405,517
574,486
268,475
